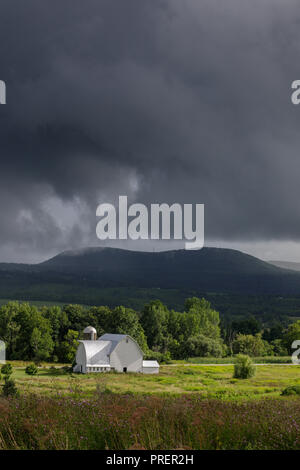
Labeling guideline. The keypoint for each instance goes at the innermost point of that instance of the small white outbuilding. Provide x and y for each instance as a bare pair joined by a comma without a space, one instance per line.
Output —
150,367
110,352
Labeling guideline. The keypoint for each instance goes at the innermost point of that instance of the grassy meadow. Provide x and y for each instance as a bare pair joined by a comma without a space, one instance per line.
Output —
183,407
230,360
116,422
207,381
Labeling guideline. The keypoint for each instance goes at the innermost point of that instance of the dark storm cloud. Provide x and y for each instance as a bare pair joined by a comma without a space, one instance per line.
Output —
166,101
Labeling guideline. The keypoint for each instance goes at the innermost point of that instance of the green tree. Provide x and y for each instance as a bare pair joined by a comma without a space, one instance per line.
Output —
154,321
174,327
203,346
279,348
126,321
273,333
69,346
57,318
9,327
30,319
291,334
175,348
41,344
100,318
208,319
253,345
76,315
248,326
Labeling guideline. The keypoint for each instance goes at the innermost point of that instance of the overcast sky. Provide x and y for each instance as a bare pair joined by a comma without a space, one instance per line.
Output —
182,101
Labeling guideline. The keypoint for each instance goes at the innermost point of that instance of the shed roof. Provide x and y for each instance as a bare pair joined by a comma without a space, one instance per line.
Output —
150,364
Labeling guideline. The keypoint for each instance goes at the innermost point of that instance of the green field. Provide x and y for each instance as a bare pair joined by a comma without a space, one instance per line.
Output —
230,360
183,407
207,381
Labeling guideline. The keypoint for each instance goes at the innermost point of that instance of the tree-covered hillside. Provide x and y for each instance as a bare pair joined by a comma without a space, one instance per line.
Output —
52,332
97,275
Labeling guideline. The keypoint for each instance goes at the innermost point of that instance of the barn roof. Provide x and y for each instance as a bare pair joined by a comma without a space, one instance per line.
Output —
112,337
97,352
116,339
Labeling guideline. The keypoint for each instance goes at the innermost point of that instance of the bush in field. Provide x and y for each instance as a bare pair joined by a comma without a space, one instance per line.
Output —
31,369
293,390
7,370
243,367
9,388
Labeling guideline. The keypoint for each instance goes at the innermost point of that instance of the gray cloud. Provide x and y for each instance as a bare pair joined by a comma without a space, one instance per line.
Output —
166,101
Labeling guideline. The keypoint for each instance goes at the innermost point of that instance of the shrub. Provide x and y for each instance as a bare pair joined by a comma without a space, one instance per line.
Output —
279,348
291,334
292,390
9,388
203,346
158,356
7,369
31,369
253,345
243,367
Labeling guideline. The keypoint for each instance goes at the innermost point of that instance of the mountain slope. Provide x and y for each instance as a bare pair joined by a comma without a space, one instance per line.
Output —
78,274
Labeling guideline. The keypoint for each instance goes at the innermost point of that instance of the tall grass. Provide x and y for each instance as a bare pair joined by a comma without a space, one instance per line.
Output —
111,421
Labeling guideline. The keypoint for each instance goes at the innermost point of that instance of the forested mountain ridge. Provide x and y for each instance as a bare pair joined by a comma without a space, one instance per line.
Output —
79,275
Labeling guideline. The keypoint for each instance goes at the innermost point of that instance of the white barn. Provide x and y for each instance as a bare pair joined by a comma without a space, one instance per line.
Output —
111,352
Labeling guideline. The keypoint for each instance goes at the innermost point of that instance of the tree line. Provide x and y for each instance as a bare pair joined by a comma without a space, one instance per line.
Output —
51,333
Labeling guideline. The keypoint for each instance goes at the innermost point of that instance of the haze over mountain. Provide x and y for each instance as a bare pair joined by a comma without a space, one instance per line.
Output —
80,275
286,265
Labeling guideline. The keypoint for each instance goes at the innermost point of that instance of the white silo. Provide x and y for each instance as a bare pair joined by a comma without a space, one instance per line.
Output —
90,333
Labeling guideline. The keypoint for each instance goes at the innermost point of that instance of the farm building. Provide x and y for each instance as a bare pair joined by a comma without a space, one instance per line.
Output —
111,352
150,367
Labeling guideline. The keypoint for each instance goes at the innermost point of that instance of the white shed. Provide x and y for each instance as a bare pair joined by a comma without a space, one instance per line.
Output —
150,367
